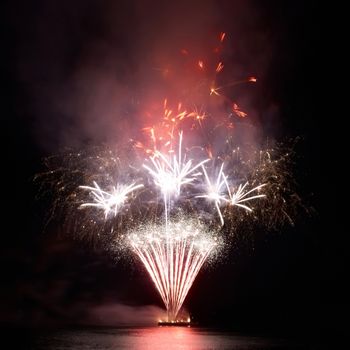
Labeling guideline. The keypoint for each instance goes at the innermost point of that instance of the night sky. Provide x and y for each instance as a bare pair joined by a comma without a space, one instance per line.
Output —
68,67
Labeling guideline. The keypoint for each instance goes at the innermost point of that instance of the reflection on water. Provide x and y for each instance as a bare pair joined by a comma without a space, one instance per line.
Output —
154,339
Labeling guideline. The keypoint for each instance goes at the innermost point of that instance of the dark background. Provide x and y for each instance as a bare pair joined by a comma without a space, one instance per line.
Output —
290,282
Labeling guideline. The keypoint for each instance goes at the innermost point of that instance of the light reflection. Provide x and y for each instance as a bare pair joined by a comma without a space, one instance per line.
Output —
187,338
169,338
153,338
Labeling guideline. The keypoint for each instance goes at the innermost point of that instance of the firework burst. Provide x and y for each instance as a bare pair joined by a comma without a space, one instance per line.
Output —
110,202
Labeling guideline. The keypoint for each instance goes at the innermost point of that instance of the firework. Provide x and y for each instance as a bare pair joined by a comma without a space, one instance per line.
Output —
162,200
173,256
173,250
109,202
170,174
215,190
238,197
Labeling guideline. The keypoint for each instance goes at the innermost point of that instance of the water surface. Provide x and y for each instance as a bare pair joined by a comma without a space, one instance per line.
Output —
154,338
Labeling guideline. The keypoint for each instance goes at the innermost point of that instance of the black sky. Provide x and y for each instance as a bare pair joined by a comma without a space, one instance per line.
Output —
65,64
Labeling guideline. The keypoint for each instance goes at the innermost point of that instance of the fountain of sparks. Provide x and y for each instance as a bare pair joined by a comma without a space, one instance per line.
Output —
173,255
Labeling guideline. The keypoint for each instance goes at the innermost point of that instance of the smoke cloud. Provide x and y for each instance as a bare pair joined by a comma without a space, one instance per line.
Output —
91,69
124,315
